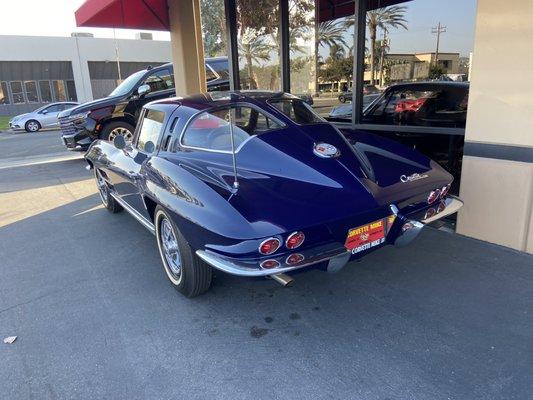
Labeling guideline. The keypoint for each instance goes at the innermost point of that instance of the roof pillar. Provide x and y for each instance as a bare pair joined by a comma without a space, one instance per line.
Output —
187,46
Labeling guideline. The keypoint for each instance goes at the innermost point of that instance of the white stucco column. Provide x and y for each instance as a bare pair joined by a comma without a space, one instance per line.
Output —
187,46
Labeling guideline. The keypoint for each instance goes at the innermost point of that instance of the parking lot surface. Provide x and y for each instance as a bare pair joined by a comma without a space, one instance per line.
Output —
85,293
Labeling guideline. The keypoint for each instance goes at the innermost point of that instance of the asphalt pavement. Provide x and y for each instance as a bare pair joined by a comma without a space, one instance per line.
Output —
85,293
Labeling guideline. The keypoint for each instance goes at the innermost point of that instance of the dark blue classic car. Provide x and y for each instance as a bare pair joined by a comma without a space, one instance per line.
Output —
257,184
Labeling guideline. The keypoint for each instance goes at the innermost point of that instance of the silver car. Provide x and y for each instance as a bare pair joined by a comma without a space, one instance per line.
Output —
44,117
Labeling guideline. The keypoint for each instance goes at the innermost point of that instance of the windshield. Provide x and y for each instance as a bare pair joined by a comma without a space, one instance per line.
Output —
128,84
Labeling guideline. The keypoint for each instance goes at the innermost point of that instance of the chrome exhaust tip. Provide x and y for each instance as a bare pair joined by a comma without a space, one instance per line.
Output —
283,279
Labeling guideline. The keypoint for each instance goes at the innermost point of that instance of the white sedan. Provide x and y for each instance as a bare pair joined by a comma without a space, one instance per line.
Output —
44,117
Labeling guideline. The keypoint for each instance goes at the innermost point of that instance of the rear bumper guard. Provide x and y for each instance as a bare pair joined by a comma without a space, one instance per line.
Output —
411,228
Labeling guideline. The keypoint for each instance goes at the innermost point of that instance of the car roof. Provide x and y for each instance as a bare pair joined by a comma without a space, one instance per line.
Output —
464,85
214,99
169,64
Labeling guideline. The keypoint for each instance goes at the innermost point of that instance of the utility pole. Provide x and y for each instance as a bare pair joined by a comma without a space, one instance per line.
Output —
438,30
117,55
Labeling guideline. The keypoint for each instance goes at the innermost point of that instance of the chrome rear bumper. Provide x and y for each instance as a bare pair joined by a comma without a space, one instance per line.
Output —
335,254
313,256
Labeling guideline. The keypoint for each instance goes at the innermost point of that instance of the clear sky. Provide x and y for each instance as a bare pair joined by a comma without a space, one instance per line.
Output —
52,18
56,18
457,15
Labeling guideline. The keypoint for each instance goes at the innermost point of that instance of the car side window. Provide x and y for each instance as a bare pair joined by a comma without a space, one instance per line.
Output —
52,109
159,80
210,130
150,130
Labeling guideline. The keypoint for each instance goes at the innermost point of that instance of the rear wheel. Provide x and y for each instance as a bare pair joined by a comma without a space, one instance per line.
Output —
118,128
188,274
32,126
108,201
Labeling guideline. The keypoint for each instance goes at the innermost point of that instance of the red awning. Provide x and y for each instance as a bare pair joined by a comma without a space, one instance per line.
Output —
333,9
129,14
153,14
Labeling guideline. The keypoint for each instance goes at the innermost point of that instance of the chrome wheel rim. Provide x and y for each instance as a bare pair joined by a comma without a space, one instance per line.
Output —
120,131
169,248
32,126
102,187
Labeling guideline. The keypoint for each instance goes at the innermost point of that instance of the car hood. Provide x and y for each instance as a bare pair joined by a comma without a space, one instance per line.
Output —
91,105
279,171
21,116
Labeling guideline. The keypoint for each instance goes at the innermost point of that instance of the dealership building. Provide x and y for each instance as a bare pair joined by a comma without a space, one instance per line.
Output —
35,70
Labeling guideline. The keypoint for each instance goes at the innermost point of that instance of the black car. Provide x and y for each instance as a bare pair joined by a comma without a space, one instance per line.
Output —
117,114
367,90
437,103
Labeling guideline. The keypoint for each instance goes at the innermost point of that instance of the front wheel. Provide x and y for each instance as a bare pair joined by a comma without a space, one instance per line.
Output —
189,275
118,128
108,201
32,126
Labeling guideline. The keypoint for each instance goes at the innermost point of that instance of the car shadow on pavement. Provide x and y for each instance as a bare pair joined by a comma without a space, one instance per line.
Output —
42,175
85,292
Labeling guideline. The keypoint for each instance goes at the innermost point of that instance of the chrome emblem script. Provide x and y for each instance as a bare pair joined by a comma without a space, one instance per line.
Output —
325,150
413,177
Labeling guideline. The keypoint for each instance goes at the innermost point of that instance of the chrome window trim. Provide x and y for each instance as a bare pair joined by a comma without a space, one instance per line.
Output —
216,108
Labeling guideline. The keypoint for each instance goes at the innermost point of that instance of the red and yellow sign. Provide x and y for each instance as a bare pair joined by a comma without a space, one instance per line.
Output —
368,236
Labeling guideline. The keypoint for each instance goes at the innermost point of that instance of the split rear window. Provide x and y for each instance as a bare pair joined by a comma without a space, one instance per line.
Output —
297,110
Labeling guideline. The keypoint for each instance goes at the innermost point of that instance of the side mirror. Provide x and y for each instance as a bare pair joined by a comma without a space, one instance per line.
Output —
149,147
44,112
143,90
119,142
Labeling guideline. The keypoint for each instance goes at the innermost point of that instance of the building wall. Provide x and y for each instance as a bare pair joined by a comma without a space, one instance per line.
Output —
78,51
497,176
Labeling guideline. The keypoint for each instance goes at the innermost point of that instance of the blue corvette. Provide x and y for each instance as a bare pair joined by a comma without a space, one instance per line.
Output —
257,184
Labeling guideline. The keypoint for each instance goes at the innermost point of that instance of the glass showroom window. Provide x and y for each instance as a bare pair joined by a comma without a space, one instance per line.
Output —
17,93
71,91
59,90
31,91
4,97
46,91
258,44
414,53
321,56
213,28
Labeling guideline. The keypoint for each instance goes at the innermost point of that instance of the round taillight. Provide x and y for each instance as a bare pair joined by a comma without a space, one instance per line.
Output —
269,264
294,259
269,246
433,196
441,207
444,191
430,213
295,240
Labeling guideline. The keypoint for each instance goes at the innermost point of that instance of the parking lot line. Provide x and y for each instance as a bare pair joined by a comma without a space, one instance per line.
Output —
34,160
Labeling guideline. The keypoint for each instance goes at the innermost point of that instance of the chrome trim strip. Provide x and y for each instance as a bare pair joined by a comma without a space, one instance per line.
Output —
453,204
135,214
236,267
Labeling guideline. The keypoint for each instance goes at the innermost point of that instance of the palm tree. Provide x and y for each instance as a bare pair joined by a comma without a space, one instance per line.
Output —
384,18
329,33
253,47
